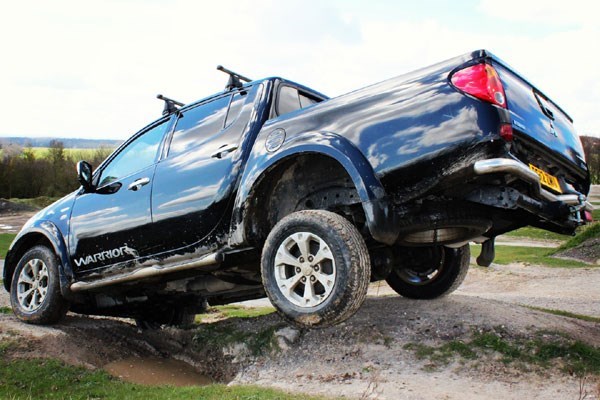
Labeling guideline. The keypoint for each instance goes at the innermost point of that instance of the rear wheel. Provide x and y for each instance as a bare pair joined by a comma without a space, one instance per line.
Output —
35,289
429,272
315,268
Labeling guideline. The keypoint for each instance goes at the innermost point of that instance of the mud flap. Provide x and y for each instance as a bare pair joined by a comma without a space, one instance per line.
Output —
488,252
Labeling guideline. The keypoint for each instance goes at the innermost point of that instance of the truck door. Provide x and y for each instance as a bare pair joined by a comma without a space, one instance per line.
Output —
193,184
110,224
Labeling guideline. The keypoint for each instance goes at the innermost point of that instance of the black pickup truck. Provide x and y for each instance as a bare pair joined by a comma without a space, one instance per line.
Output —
273,188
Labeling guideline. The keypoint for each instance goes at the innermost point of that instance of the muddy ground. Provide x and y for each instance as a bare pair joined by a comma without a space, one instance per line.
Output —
365,356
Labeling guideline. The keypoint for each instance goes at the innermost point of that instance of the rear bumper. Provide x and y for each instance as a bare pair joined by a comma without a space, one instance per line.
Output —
575,203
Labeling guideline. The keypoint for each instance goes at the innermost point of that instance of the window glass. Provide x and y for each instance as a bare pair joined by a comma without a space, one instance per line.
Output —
306,101
235,108
138,155
287,100
197,125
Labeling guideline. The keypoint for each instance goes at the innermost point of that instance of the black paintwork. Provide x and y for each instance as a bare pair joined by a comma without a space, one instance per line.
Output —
399,141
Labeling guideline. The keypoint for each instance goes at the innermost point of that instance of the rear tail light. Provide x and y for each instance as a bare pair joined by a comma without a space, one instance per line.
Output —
481,81
589,217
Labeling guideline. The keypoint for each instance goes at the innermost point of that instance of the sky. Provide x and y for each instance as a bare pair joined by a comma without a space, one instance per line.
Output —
92,69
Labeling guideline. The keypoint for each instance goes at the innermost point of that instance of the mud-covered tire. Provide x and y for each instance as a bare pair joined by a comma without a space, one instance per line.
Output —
324,282
35,295
432,276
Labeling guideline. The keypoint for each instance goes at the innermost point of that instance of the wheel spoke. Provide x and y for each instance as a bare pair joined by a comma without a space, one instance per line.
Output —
326,280
25,279
290,283
43,273
35,268
42,291
283,256
309,292
302,239
324,253
24,295
35,299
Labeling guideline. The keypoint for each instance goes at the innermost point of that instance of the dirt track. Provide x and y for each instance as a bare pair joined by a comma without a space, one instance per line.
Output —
366,354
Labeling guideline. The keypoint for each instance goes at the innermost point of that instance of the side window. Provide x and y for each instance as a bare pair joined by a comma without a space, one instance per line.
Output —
138,155
290,99
198,124
235,108
306,101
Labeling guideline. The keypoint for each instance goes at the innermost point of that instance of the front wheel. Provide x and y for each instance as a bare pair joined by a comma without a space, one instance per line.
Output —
429,272
35,289
315,268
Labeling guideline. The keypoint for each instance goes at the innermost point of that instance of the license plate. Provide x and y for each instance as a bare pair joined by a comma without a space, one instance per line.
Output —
546,179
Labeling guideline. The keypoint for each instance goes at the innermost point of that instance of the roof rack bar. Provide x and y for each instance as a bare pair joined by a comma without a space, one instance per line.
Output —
170,104
235,79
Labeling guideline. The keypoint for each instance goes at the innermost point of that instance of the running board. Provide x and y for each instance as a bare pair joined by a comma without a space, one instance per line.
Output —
147,272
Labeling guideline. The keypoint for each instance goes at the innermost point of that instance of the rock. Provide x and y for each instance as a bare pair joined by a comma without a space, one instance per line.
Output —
286,336
288,333
238,351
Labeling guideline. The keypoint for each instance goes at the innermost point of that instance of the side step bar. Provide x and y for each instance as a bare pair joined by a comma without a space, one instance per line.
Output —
148,272
516,168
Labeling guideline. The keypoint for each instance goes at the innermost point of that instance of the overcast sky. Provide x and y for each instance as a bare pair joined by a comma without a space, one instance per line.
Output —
92,69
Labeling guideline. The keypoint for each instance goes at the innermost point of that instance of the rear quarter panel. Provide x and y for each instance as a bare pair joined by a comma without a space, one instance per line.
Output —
403,122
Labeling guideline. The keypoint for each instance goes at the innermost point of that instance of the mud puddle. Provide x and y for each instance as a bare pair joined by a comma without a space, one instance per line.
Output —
156,372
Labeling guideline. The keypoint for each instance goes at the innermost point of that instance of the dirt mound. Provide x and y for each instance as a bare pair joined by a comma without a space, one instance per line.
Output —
390,349
369,355
588,251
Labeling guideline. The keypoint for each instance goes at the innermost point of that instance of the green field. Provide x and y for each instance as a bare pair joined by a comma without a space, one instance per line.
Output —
73,154
5,240
50,379
529,255
536,233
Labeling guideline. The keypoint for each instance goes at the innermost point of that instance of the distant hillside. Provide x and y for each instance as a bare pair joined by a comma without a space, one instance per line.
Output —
69,143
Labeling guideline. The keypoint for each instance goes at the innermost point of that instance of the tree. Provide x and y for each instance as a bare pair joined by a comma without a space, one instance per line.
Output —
591,148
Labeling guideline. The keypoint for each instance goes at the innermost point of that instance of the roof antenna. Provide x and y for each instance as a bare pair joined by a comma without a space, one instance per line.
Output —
170,104
235,79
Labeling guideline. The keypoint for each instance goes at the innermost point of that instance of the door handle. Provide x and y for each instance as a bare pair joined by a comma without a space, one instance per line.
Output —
223,150
138,183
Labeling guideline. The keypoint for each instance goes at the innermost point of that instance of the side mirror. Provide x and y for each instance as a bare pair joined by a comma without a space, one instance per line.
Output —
84,175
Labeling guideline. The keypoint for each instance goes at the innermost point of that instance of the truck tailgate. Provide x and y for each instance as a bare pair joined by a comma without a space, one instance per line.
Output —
544,133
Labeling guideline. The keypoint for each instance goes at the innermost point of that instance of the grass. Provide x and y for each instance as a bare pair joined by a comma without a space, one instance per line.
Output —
536,233
530,255
442,354
50,379
574,356
224,334
234,311
5,241
568,314
5,310
588,232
